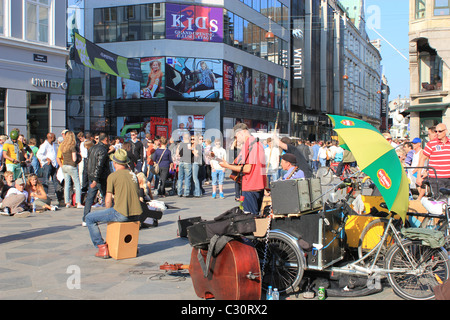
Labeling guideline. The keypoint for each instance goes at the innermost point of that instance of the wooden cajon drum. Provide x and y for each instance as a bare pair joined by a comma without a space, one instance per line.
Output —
122,239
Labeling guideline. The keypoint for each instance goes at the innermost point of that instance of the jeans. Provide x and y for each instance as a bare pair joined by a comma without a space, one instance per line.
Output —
217,177
94,218
323,162
49,171
15,169
163,174
71,172
195,170
184,175
91,194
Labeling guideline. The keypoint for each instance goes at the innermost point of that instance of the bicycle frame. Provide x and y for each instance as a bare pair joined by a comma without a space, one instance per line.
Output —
355,268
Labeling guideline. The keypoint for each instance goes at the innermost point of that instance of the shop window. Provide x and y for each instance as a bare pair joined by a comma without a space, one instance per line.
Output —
37,115
37,20
430,68
441,7
420,9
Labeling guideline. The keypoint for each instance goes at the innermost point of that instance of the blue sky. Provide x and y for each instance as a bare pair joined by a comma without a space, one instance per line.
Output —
390,19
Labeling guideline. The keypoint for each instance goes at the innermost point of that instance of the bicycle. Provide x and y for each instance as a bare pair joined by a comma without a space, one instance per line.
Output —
412,268
326,174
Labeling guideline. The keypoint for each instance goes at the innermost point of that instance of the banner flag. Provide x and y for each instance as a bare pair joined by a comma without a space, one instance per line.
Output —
95,57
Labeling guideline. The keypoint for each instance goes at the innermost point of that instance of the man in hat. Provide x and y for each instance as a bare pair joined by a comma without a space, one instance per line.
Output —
121,201
289,164
15,202
251,164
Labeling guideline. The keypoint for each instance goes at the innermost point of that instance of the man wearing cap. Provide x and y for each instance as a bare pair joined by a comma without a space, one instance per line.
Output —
122,201
437,152
12,149
15,202
417,151
289,164
252,165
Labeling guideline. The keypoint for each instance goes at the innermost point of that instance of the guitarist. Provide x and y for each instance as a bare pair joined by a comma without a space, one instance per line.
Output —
251,164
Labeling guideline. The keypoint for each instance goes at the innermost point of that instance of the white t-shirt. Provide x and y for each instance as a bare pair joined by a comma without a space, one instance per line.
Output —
218,153
15,191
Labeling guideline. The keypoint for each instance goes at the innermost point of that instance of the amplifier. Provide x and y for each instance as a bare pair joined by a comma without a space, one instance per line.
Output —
296,196
290,196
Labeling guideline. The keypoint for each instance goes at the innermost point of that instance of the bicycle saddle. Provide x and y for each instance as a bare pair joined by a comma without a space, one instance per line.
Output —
445,191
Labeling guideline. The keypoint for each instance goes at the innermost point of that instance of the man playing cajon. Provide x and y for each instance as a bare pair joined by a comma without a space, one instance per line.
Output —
122,187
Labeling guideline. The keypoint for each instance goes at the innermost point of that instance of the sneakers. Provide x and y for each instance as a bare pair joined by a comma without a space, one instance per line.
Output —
6,212
221,195
54,208
80,206
213,195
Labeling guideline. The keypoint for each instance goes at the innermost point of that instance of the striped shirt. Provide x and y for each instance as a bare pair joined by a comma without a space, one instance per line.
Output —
439,155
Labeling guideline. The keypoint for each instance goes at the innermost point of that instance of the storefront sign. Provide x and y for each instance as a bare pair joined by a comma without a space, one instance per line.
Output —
194,23
43,83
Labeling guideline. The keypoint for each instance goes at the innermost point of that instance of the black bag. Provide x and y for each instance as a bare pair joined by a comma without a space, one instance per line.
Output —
183,224
233,223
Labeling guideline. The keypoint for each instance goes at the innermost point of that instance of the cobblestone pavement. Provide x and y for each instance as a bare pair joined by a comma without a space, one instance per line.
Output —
50,256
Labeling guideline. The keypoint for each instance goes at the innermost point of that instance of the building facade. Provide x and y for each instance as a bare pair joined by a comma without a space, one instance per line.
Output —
32,67
429,56
211,63
362,60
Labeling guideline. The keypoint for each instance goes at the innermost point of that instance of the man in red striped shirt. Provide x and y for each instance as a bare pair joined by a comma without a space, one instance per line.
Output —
437,151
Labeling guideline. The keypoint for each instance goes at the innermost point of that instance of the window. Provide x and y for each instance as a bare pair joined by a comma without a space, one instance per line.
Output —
37,20
2,110
2,18
420,9
441,8
430,67
37,114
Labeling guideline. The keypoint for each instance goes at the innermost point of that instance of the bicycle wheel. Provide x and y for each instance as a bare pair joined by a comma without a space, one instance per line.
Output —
416,280
284,265
371,236
325,175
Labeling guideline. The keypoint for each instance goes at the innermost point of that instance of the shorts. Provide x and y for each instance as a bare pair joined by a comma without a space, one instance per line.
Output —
253,201
217,177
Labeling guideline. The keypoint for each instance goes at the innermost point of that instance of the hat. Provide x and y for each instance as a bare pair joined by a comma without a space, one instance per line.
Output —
120,157
19,181
417,140
289,157
14,135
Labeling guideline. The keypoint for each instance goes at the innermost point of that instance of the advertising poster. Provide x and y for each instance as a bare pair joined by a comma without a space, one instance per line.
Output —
128,89
228,81
195,124
271,91
194,78
153,71
278,94
260,88
194,23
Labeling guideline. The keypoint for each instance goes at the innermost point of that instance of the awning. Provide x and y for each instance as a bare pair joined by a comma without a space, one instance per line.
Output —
426,107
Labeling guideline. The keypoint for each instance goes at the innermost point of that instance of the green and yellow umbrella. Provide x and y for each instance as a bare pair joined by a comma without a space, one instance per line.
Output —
376,158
